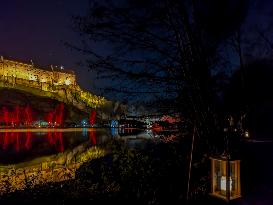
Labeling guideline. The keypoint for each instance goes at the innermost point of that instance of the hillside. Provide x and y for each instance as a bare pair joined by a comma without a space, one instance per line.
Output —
40,106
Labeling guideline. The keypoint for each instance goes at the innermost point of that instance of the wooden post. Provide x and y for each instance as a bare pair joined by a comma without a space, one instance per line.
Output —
190,164
212,175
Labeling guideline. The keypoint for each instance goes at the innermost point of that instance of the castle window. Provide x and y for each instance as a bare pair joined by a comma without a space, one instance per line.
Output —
67,81
33,77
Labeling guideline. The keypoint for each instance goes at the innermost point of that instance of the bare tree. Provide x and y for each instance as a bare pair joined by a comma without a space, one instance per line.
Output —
163,49
158,48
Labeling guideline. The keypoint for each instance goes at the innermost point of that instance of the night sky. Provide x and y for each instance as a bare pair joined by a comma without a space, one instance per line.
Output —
36,30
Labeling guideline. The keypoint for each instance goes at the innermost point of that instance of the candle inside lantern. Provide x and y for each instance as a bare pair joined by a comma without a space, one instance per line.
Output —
224,183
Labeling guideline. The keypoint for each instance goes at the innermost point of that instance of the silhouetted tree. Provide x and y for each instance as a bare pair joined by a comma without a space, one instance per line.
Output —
163,49
159,48
257,89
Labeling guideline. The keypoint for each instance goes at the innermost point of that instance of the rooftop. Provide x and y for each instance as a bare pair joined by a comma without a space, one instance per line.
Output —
36,66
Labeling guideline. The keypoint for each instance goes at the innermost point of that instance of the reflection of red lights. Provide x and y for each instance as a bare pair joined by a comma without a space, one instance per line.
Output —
56,139
15,140
50,138
20,141
28,140
92,137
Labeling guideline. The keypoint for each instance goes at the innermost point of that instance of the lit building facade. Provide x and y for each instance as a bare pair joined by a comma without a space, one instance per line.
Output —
30,72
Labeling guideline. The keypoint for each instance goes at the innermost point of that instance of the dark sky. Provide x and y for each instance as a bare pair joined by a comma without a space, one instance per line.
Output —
260,12
32,29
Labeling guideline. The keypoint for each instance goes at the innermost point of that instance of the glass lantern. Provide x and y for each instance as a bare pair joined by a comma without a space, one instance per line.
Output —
225,178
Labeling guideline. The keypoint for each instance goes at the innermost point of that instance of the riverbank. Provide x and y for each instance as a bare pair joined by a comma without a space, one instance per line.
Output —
154,175
50,129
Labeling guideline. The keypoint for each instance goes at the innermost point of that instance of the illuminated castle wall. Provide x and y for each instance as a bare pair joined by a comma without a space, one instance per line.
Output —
30,72
52,83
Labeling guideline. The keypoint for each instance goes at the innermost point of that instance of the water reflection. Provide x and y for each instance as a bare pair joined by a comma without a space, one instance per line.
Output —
139,133
54,169
136,138
92,137
15,140
24,145
18,170
31,157
84,132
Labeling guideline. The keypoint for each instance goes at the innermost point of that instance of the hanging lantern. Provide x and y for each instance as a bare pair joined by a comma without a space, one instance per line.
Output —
225,178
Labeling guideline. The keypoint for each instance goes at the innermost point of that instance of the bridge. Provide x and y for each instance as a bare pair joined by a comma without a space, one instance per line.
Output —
50,82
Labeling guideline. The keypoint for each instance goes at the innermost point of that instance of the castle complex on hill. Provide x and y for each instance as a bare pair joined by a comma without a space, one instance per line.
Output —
49,82
30,72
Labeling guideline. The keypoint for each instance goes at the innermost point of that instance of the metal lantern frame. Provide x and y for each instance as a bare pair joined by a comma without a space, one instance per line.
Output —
225,178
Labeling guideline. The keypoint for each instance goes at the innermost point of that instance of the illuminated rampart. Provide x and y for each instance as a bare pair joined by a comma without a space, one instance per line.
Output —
30,72
52,83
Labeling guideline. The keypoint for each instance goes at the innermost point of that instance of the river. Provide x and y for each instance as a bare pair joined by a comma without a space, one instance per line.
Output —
36,156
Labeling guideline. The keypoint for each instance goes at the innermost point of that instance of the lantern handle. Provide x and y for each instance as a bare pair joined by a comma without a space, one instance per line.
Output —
226,152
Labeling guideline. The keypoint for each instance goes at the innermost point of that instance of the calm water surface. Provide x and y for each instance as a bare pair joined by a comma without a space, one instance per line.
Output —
38,156
41,155
23,145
